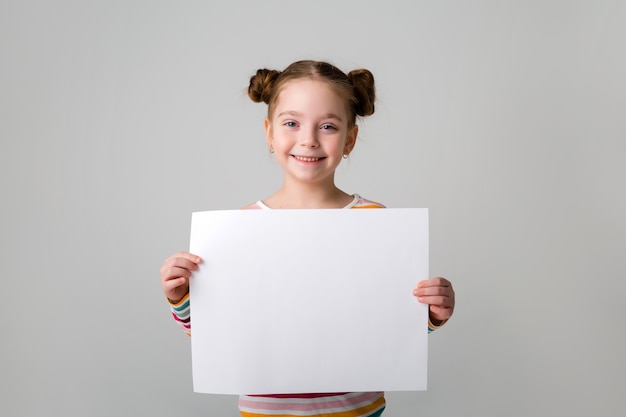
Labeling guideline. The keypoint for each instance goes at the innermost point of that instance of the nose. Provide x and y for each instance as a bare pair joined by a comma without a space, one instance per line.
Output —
308,138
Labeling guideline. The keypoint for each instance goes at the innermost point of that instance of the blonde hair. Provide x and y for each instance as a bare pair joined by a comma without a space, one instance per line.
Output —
356,88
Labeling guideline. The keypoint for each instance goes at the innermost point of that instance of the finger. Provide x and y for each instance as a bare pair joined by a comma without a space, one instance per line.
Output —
185,255
172,284
178,262
184,263
424,291
434,282
437,300
175,273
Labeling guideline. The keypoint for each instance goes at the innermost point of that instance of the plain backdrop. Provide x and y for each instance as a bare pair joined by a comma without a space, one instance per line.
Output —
505,118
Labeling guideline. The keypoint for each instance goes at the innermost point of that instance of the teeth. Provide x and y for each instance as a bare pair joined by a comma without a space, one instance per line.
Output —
306,159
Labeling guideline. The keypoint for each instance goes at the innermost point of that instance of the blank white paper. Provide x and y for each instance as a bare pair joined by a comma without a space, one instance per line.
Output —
304,301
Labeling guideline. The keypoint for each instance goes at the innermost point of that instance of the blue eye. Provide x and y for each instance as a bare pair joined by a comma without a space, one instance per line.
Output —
328,127
290,124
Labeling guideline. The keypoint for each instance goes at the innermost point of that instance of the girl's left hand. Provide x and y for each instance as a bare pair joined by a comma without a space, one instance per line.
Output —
439,295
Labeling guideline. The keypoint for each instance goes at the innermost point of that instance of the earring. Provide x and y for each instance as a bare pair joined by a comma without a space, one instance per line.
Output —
345,156
271,150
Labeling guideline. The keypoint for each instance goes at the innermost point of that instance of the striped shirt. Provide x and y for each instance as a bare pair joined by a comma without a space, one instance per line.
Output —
343,404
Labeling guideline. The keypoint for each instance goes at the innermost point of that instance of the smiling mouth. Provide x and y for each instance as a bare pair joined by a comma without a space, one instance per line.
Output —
307,158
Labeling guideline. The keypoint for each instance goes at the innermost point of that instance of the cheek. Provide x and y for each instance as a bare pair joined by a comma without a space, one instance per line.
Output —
338,145
283,140
283,135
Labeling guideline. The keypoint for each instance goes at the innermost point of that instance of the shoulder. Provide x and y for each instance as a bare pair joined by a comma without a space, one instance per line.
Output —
360,202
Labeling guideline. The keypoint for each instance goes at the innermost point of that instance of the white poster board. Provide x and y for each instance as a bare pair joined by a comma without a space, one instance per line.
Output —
293,301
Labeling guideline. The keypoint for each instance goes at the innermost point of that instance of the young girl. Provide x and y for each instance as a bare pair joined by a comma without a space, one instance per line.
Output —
310,127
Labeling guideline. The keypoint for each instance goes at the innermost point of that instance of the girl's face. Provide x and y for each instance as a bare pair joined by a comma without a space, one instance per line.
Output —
308,131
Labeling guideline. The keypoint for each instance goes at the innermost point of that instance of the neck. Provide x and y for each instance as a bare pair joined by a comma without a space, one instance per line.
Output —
308,196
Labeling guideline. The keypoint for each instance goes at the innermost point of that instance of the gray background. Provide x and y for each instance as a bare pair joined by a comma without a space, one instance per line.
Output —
506,119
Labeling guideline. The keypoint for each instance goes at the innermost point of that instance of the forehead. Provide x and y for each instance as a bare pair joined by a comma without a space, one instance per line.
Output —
311,96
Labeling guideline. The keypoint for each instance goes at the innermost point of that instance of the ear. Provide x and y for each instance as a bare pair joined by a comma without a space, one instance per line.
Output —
269,137
350,140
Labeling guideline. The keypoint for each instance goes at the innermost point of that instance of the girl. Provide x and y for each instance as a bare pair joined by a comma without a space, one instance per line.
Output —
310,127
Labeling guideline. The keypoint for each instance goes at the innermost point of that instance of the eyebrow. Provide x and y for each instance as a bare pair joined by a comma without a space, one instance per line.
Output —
324,116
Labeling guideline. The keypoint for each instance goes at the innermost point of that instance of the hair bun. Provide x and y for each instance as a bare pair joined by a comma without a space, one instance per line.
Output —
261,85
364,91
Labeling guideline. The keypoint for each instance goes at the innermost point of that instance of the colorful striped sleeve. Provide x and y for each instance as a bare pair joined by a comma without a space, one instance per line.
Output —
181,313
432,327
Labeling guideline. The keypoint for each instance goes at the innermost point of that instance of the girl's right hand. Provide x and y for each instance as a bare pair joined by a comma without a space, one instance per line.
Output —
175,274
